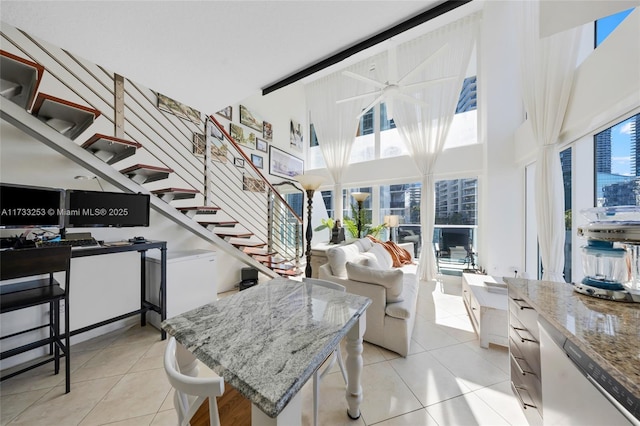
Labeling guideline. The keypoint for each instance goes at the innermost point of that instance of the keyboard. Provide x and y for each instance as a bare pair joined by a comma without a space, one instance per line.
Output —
79,243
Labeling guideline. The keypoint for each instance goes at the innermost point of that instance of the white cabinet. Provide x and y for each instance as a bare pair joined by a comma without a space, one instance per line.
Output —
191,281
487,309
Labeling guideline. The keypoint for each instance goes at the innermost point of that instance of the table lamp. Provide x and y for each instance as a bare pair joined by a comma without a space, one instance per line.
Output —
392,221
360,197
309,183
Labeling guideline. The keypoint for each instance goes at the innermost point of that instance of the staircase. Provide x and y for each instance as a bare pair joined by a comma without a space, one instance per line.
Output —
234,225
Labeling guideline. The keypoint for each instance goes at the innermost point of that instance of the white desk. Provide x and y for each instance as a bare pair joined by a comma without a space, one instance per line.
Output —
488,310
268,340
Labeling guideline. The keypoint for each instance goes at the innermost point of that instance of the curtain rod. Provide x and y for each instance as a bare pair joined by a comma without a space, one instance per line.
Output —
412,22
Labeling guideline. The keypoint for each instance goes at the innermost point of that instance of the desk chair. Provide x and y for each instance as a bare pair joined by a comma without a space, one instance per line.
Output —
33,263
335,356
187,387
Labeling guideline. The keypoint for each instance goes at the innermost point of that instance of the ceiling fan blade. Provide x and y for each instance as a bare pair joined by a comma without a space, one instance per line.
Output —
371,105
425,84
364,79
424,63
354,98
392,65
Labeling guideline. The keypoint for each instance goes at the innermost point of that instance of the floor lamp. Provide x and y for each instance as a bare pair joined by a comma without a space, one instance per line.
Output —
359,197
392,221
309,183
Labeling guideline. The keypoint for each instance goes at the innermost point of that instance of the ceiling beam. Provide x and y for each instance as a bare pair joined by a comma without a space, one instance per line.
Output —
410,23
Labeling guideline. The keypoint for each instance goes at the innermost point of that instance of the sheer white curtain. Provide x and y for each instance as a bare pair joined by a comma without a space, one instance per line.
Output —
548,67
336,124
424,126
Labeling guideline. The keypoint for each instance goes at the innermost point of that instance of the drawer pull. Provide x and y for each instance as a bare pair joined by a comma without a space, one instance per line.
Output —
523,339
521,304
523,370
516,390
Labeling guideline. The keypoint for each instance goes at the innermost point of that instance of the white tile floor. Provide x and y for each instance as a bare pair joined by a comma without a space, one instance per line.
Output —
447,379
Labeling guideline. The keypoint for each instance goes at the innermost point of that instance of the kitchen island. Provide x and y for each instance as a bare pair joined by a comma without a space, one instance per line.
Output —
601,337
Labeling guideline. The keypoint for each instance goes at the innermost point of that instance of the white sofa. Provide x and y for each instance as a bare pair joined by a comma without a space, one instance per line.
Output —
364,268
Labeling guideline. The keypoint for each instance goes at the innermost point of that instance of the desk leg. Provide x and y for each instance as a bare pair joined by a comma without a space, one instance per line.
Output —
354,367
291,415
163,288
143,287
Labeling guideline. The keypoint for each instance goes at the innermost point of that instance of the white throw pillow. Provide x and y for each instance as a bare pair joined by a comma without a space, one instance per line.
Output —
366,243
391,279
382,255
339,256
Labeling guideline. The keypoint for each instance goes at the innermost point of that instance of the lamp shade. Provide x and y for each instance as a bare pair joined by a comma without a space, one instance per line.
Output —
309,181
392,221
360,196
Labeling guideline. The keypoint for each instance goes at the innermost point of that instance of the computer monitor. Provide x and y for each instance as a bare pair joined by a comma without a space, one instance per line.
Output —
89,209
23,206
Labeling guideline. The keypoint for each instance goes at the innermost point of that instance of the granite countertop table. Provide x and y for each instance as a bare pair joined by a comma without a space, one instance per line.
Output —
607,331
268,340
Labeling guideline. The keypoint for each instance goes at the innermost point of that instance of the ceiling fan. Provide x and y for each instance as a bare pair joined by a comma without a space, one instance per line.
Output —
394,88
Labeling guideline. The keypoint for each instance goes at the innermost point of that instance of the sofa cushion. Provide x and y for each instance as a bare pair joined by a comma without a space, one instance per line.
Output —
382,255
364,243
339,256
405,308
391,279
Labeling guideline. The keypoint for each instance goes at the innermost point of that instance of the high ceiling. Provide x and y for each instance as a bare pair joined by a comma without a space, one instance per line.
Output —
209,54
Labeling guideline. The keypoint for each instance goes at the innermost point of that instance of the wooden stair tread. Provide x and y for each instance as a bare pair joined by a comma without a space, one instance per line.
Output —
171,194
201,209
279,265
24,77
68,118
119,148
147,172
288,272
246,243
231,232
217,222
255,250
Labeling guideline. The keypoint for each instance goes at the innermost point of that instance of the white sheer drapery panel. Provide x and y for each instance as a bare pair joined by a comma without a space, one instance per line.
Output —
336,124
424,127
548,68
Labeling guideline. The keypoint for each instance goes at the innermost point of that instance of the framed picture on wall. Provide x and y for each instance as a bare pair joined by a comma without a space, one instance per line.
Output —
257,161
226,113
249,119
261,145
239,162
199,144
267,131
284,164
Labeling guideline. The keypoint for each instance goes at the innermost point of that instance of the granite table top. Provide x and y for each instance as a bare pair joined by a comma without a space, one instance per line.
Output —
607,331
268,340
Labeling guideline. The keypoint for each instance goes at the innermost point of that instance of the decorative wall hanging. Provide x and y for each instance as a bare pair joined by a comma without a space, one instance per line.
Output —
239,162
226,113
261,145
295,135
267,131
167,104
252,184
237,133
257,161
249,119
284,164
199,144
218,148
215,132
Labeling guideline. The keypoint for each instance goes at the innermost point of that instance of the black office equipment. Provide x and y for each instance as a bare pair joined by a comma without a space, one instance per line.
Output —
33,263
248,278
87,209
23,206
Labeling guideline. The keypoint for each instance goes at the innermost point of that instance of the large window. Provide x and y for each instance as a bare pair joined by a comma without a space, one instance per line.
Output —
617,164
567,170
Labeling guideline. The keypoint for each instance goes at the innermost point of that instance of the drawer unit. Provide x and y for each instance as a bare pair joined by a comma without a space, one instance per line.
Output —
524,355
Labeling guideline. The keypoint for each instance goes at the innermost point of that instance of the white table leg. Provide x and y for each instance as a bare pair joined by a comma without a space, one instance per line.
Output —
291,415
354,367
